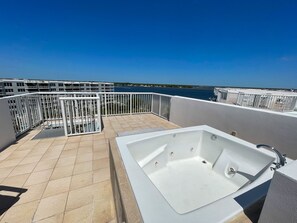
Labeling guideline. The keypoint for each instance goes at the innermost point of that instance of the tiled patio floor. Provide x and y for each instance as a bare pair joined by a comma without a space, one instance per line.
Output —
67,179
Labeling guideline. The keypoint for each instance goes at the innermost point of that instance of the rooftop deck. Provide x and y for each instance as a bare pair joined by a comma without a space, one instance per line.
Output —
65,179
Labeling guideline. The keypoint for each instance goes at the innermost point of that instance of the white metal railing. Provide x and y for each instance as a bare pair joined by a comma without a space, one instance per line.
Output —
125,103
161,105
81,115
25,112
29,110
51,106
271,102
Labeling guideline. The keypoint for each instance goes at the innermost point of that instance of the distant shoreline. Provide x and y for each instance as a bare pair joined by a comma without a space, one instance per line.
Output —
198,87
164,86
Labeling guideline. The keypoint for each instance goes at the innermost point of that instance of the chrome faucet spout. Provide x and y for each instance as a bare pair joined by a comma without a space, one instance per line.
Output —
281,159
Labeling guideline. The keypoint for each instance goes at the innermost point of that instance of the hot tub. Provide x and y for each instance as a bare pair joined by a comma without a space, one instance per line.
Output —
193,174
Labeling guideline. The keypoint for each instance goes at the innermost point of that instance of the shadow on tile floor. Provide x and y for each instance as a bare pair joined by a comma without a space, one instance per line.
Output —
7,201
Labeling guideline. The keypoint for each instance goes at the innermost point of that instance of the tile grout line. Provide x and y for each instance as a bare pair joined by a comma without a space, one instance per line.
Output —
64,212
44,182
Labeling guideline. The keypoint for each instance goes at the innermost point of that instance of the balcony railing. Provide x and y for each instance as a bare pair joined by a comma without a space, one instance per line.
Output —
266,101
78,112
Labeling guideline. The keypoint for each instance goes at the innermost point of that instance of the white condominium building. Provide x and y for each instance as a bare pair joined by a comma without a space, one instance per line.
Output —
276,100
11,86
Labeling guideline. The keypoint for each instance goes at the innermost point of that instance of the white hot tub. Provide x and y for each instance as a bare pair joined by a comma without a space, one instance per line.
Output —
193,174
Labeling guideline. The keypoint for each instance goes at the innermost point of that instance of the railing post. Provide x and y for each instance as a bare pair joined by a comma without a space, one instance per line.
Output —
105,105
75,108
160,104
98,113
130,103
39,108
27,108
64,118
152,105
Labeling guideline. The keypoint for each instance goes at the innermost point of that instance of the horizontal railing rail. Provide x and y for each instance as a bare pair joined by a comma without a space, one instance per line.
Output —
31,109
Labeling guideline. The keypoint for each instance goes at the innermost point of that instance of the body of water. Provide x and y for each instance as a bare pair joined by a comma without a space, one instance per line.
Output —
186,92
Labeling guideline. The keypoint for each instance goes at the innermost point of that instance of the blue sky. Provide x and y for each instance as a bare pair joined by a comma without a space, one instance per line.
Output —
234,43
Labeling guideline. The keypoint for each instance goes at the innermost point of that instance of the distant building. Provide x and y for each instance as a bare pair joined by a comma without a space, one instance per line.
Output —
283,101
20,86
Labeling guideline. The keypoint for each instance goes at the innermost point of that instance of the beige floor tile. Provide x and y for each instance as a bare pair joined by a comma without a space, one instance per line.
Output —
101,163
61,172
39,177
51,154
45,165
83,150
73,139
82,167
15,181
98,142
20,213
101,175
67,161
61,138
103,190
80,197
73,145
56,147
100,155
19,154
57,186
58,218
10,163
33,193
50,206
4,172
86,138
86,143
30,159
68,153
79,215
81,180
84,157
37,151
6,153
59,142
103,146
43,144
23,169
102,211
98,136
28,146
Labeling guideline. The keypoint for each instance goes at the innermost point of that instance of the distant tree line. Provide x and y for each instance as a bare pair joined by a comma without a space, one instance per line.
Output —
127,84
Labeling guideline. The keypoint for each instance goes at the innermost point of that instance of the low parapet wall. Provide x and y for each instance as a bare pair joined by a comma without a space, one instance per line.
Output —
253,125
7,134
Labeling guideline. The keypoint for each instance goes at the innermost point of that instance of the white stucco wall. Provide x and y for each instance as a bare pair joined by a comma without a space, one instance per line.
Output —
253,125
7,134
281,201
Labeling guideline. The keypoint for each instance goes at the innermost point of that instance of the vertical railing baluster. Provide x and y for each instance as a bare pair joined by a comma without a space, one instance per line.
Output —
64,118
105,104
27,112
160,104
131,101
